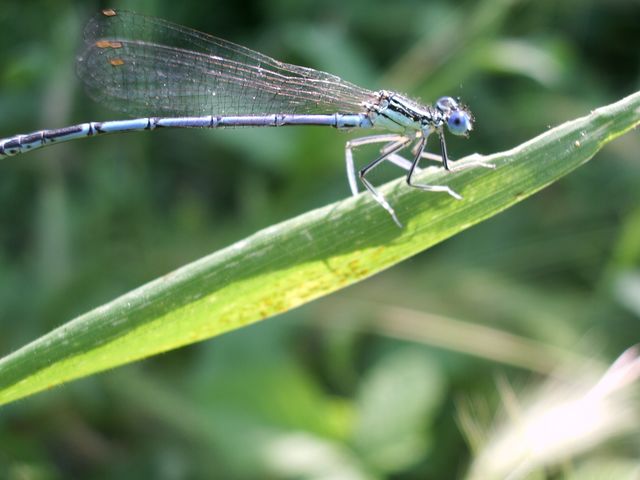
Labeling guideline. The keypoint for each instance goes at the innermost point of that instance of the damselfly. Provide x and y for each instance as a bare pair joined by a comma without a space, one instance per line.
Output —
145,66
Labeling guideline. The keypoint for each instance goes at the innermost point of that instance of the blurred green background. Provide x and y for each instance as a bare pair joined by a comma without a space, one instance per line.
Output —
369,382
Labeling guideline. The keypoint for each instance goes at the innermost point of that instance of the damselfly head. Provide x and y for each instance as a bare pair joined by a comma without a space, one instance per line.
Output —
459,118
446,104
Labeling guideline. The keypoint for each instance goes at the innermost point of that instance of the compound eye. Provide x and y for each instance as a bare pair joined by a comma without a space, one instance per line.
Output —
446,104
459,123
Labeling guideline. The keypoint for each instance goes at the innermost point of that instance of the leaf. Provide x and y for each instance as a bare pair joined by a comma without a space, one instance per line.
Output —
294,262
397,401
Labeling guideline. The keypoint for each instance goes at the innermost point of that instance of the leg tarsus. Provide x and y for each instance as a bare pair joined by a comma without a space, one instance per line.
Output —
428,188
471,164
436,188
381,200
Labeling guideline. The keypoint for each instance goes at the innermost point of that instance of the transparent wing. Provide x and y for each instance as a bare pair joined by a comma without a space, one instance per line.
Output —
147,66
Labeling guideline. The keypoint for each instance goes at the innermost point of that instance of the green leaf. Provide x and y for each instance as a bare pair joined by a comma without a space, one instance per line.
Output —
296,261
397,399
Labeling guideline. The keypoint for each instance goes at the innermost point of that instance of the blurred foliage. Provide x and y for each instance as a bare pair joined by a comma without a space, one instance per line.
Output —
330,389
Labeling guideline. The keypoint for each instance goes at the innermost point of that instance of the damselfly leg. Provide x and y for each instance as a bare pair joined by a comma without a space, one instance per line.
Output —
390,152
446,161
419,150
391,147
390,139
